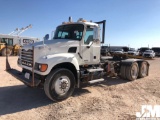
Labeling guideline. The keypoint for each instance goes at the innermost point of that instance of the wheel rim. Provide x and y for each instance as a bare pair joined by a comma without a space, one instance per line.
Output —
144,69
134,71
62,85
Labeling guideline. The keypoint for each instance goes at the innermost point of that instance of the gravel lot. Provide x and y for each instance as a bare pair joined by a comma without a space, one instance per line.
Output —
114,99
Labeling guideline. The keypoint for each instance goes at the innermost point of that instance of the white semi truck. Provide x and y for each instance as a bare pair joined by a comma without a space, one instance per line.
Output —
72,57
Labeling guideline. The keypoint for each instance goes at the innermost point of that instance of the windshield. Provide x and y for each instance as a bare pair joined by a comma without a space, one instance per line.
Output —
117,50
143,49
104,47
9,41
132,49
150,51
156,49
71,31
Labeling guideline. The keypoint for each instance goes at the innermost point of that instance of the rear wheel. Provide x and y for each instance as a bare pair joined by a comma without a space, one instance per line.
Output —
6,51
143,70
123,71
132,71
59,84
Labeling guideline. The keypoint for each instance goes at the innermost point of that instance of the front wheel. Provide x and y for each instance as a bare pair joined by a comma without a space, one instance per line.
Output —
59,84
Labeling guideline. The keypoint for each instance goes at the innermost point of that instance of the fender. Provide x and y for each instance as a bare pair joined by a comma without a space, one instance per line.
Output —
128,62
55,59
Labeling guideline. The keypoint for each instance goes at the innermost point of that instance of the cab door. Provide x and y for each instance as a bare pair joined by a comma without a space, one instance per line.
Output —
90,47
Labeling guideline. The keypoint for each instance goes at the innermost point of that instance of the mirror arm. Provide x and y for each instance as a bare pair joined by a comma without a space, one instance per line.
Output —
90,44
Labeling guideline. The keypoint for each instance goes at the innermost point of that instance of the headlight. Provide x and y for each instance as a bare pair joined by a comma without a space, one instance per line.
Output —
39,66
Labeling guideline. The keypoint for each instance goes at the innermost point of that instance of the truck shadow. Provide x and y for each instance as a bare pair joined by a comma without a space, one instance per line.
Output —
19,98
114,81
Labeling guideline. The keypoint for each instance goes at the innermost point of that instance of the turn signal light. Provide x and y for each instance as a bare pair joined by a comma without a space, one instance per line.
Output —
43,67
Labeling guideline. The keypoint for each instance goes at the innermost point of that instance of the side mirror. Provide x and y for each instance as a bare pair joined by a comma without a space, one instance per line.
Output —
46,37
52,34
96,35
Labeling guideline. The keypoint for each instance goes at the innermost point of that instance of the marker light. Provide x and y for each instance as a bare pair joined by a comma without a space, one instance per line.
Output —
42,67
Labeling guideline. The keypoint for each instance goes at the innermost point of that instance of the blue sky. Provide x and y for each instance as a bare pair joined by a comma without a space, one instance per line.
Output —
133,23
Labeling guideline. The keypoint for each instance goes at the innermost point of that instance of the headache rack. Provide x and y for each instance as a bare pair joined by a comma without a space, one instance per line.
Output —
27,59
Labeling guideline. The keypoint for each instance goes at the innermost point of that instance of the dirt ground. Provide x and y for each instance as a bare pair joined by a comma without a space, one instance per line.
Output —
113,99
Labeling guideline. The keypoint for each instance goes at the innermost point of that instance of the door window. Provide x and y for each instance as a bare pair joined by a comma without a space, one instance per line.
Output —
7,40
88,36
10,42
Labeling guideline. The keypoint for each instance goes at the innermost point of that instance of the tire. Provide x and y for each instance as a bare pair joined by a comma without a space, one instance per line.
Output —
130,69
9,52
123,71
59,84
143,70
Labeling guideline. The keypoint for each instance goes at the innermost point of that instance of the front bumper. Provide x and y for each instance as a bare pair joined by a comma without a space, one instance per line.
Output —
148,55
32,81
131,53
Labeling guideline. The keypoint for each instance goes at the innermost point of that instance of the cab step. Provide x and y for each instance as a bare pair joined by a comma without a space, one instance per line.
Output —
95,81
95,70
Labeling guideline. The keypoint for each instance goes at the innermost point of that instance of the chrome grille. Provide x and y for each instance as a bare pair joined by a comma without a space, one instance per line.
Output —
27,57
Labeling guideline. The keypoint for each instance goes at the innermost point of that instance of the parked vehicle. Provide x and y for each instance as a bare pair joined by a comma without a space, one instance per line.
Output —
118,51
14,41
132,51
104,50
71,58
149,53
142,50
156,50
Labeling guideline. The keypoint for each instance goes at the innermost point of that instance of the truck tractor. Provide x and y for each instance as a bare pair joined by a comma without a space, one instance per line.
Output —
72,57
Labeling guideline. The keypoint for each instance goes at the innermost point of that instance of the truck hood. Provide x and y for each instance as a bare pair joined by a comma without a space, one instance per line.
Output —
51,47
56,43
